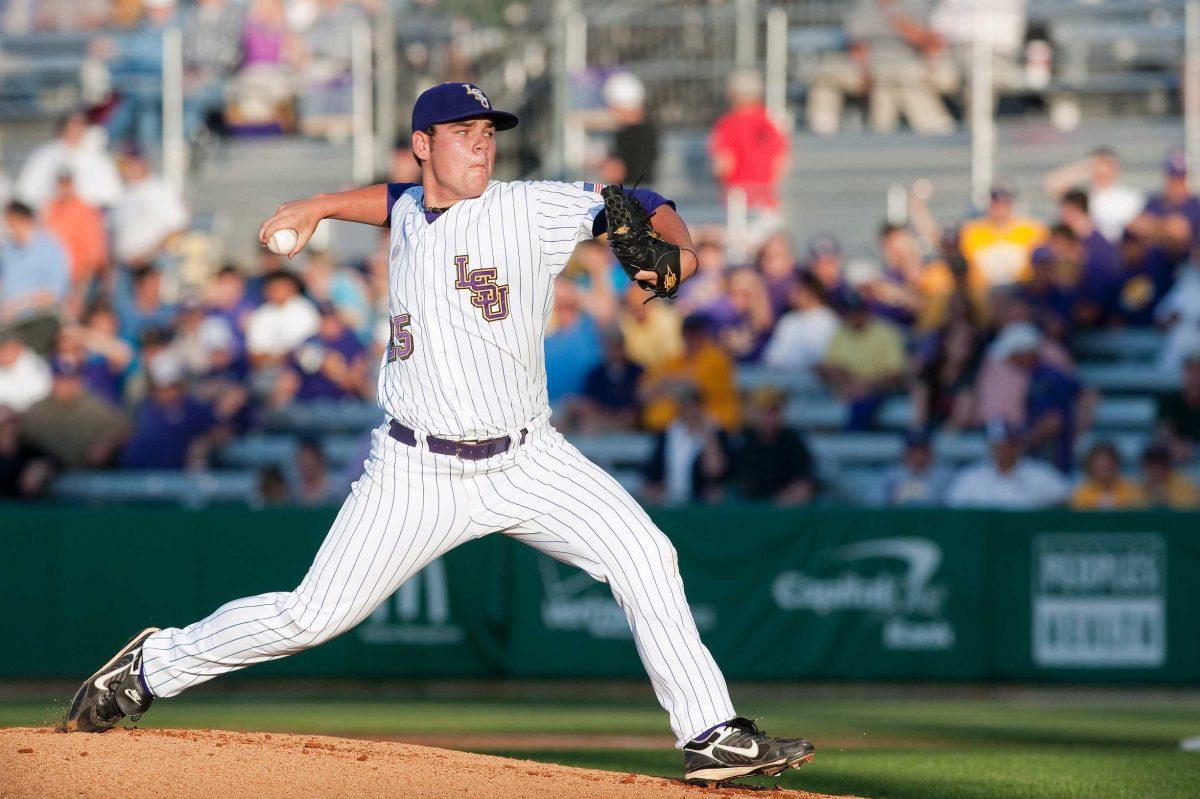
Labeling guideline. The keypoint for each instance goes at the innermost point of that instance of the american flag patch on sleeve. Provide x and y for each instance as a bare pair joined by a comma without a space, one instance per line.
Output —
592,187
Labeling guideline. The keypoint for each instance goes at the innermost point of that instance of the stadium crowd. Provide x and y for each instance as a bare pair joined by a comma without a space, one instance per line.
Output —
115,354
121,350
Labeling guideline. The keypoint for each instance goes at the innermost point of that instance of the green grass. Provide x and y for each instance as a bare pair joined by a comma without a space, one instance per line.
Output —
1072,746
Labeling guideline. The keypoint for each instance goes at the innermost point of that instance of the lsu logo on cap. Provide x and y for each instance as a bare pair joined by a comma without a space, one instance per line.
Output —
475,92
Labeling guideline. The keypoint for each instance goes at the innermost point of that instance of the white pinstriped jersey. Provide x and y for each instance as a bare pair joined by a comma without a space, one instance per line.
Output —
469,296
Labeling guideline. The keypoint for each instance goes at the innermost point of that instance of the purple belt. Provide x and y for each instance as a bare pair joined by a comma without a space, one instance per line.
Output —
468,450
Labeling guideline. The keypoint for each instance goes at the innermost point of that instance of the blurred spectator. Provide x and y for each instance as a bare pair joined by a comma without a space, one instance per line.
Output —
1101,269
1003,385
895,293
918,479
24,377
743,318
149,213
1103,486
171,429
403,167
999,243
771,462
691,457
803,334
1147,277
78,150
1164,486
261,93
1179,410
324,59
652,331
707,286
704,366
1055,406
1112,204
135,62
272,489
284,321
777,266
864,363
943,391
825,262
610,400
1050,302
225,298
97,352
895,59
998,23
330,365
635,146
1172,218
313,487
572,342
80,229
143,306
1179,315
1007,479
750,152
211,51
327,281
75,428
35,278
23,472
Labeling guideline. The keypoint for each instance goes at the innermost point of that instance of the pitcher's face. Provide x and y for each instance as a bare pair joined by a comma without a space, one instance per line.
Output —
459,156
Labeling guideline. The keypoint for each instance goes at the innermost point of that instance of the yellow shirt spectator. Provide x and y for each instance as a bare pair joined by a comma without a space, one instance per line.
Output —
710,370
653,336
936,286
1124,493
871,352
1000,252
1177,491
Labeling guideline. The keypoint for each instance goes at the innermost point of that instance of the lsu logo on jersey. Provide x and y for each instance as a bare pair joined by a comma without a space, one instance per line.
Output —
486,295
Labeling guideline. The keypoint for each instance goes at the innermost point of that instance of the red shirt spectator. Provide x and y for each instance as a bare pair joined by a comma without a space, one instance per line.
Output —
748,149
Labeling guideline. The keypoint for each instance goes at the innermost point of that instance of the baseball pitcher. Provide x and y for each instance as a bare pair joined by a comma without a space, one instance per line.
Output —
466,448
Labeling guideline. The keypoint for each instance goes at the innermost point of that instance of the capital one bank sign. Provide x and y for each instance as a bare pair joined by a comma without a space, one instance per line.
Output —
1099,600
893,581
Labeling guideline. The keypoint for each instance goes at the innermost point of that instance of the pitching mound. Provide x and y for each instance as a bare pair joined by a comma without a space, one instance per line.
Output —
207,764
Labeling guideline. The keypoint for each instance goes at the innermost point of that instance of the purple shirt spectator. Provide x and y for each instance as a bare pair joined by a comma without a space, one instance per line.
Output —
163,432
307,360
1052,391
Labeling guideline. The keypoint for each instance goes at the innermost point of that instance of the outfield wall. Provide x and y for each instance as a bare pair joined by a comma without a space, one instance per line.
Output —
830,593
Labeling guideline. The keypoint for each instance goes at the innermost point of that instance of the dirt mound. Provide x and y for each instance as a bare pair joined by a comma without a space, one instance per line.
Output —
207,764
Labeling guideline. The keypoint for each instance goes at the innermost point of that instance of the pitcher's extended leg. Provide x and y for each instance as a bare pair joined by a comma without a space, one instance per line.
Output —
405,511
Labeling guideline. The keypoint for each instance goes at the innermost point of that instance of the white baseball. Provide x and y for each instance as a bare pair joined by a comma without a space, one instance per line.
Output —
283,241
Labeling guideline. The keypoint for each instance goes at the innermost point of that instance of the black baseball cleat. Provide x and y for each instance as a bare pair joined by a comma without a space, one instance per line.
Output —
112,693
738,748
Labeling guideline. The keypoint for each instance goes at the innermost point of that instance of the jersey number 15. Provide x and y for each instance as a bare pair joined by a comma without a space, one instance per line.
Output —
400,346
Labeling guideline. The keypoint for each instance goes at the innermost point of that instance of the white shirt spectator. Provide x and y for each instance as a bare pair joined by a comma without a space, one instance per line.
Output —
276,330
95,174
1003,23
1029,484
147,214
24,381
1181,309
800,339
1113,208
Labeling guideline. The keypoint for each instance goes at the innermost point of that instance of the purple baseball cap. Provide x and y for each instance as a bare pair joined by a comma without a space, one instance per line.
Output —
452,102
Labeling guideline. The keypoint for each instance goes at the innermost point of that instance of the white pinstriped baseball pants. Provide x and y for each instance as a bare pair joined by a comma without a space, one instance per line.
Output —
410,507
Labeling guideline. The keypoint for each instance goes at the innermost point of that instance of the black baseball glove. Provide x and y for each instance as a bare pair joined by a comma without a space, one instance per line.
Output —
636,244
